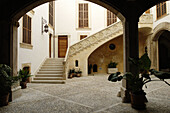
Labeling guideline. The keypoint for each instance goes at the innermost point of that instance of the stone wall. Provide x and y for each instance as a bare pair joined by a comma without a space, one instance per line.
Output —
103,55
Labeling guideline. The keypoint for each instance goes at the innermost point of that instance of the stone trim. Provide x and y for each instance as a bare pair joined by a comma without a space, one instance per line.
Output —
159,29
83,29
26,46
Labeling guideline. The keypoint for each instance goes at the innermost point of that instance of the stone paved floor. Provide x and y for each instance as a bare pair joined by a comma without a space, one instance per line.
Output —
93,94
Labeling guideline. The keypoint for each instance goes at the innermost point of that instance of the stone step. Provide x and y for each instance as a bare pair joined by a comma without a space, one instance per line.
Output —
49,81
56,59
50,72
48,78
52,64
60,63
49,69
49,75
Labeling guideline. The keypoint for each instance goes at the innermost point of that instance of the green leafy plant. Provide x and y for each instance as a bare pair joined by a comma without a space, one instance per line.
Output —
72,73
24,74
137,81
6,80
79,71
112,64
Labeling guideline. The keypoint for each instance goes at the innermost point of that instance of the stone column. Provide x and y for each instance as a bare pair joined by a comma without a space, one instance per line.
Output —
131,49
9,50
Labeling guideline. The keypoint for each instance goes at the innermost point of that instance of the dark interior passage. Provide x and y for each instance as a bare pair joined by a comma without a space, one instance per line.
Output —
164,51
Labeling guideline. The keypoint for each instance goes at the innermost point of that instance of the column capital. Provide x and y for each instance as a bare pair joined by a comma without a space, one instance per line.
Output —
14,23
129,20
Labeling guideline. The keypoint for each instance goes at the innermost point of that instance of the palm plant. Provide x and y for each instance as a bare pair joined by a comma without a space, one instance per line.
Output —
6,80
24,74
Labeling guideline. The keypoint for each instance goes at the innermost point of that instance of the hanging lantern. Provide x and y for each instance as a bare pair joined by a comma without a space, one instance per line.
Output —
46,28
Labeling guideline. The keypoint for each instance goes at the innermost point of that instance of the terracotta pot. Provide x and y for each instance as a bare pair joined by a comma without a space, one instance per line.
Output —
4,100
23,85
138,101
78,75
29,80
74,74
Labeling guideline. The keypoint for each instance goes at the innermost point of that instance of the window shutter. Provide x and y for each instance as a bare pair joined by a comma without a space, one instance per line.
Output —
26,29
51,13
83,15
111,18
161,9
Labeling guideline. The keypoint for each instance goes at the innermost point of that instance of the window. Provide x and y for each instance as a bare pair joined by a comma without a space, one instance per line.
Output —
82,36
76,63
26,29
51,13
83,15
112,46
161,9
95,68
111,18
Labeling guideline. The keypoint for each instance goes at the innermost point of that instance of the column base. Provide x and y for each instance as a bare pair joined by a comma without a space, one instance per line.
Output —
16,92
125,95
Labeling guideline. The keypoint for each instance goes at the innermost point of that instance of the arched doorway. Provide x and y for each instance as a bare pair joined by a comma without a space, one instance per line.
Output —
164,51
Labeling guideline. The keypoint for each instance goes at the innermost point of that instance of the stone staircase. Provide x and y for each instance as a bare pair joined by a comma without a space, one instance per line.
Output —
82,49
50,72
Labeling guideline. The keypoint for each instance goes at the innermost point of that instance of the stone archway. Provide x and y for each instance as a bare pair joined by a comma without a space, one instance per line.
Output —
164,51
159,29
19,13
129,14
114,8
158,32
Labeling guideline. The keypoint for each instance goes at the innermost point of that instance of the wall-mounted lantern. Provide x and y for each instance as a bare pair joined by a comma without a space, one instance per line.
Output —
44,26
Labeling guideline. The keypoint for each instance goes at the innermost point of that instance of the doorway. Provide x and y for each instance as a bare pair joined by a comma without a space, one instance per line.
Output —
62,46
164,51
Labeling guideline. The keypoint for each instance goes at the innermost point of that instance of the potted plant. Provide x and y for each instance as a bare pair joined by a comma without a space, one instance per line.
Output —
137,81
112,67
6,81
24,75
78,73
72,73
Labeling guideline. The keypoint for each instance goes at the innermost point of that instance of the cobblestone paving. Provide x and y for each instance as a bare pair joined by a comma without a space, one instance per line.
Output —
93,94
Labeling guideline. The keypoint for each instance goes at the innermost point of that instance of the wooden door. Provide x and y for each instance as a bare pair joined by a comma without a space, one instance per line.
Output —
62,46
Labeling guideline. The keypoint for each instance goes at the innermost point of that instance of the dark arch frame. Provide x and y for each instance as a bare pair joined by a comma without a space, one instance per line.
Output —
18,14
128,11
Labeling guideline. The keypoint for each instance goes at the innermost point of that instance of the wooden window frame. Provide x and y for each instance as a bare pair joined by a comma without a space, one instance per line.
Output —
111,18
82,36
27,29
161,10
83,19
51,13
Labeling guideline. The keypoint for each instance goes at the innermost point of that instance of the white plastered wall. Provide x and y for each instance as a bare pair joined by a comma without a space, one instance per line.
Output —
166,18
39,41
